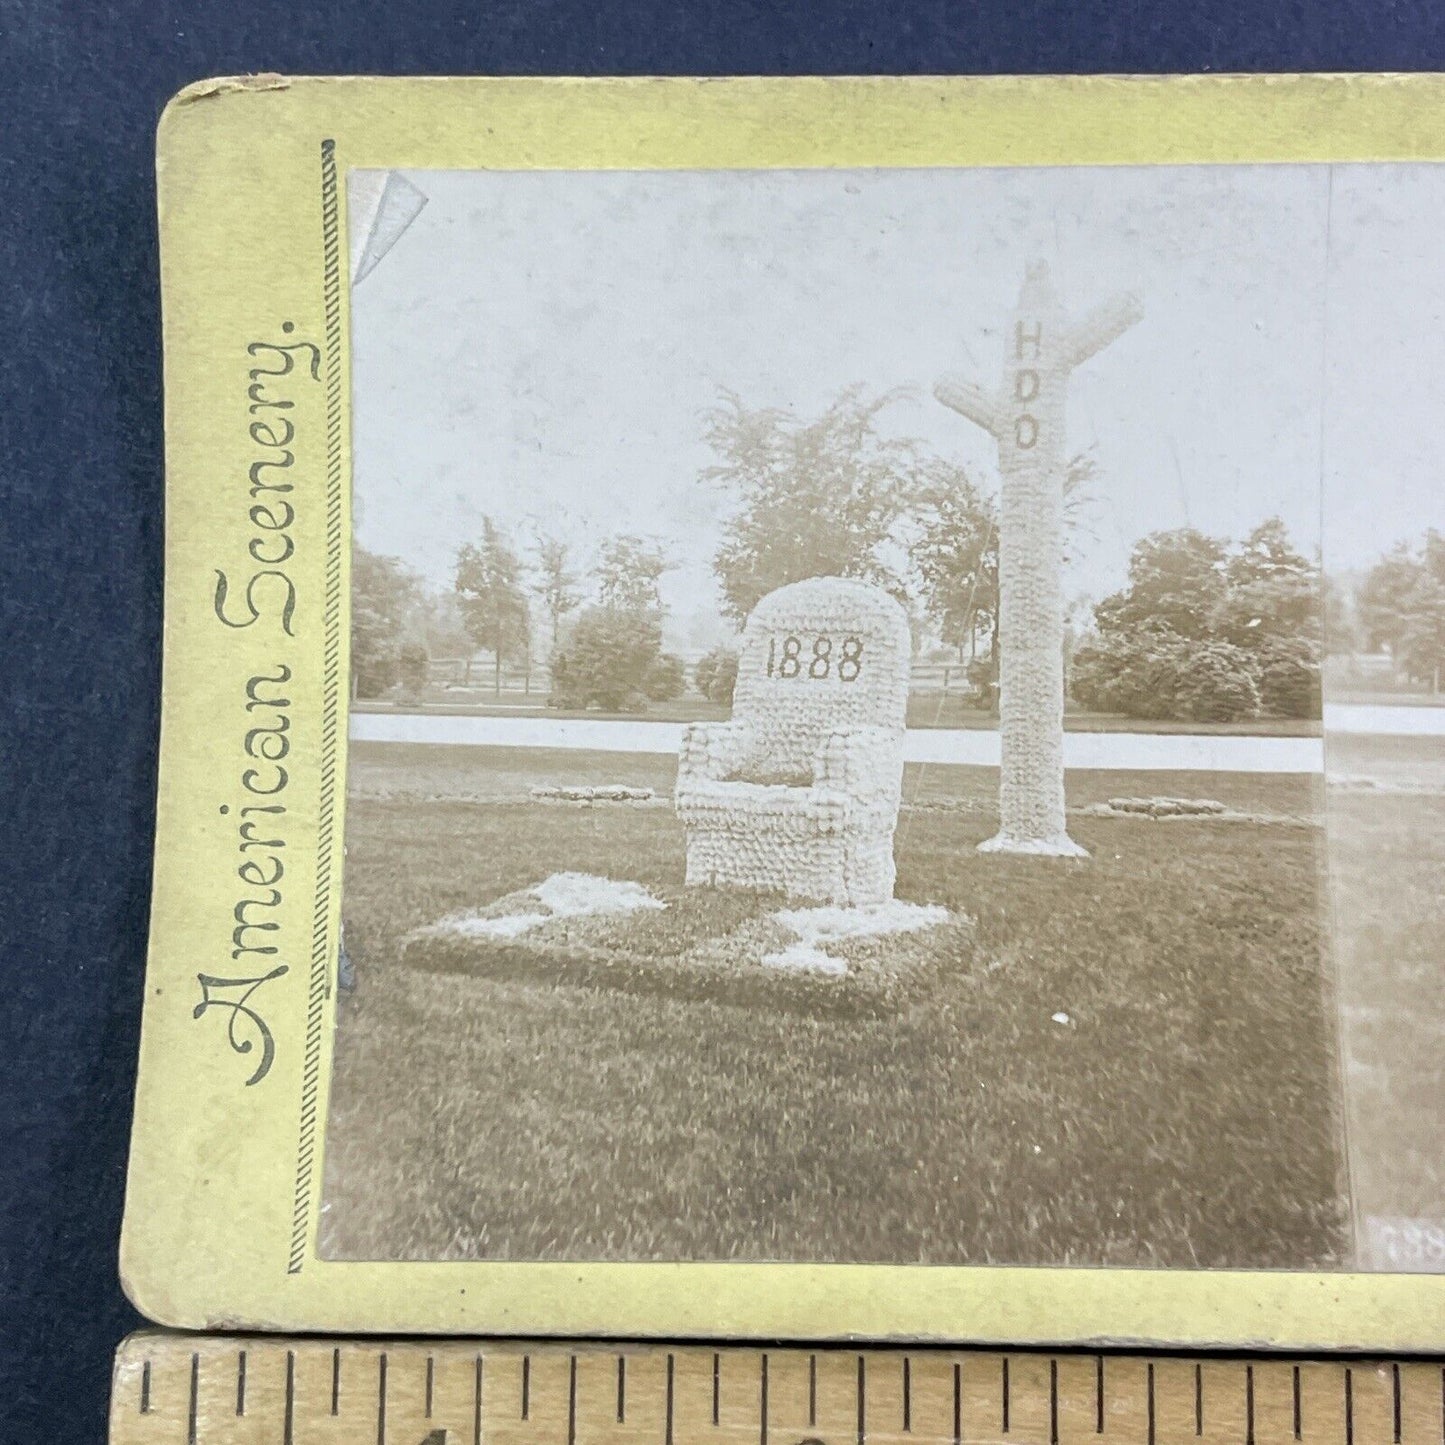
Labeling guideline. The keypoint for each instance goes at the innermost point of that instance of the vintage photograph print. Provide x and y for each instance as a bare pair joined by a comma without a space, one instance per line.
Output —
836,766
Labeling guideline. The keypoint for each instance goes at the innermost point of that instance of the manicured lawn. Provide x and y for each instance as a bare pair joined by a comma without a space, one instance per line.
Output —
465,773
1387,861
1183,1116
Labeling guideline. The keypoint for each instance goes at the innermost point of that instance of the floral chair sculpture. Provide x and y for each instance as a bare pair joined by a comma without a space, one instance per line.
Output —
799,793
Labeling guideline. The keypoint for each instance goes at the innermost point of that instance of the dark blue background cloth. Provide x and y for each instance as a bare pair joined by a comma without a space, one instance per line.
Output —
81,481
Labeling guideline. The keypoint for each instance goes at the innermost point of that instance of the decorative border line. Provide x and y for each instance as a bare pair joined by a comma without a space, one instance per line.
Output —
318,985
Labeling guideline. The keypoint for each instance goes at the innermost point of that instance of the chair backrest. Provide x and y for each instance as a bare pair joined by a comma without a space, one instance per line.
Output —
817,656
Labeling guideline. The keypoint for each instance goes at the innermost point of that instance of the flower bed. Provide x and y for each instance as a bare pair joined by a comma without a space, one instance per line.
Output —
742,948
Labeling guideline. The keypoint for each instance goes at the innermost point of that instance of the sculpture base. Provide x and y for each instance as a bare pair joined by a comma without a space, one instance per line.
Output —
843,868
1060,847
719,947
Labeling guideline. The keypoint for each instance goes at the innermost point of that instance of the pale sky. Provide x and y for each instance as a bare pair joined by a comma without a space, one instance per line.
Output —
541,346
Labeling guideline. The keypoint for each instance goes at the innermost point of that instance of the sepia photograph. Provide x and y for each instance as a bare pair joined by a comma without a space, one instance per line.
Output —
896,717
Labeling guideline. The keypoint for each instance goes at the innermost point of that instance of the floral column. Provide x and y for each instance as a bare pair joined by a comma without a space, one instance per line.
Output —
1026,418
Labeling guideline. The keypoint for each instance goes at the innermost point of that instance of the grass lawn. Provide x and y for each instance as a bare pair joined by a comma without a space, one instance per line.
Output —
1182,1117
465,773
1387,863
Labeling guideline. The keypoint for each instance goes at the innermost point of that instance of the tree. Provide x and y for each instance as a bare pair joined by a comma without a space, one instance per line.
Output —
1341,629
1401,606
814,498
556,581
385,599
956,555
413,670
489,590
1080,477
666,678
1207,632
1421,648
607,659
716,674
1271,590
1177,580
629,574
445,629
1386,597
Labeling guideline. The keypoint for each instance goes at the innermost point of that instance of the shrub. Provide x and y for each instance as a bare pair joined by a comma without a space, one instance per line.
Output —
716,675
412,668
666,678
1092,670
1219,684
606,660
375,674
1289,677
1137,674
982,677
1157,674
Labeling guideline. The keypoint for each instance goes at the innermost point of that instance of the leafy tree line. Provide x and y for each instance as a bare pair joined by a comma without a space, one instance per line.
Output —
611,656
834,495
607,654
1205,629
397,625
1399,608
495,607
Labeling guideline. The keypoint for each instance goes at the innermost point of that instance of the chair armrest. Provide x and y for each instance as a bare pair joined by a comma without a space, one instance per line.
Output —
711,751
863,763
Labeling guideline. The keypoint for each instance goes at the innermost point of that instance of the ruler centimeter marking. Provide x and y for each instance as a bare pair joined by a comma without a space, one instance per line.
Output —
255,1390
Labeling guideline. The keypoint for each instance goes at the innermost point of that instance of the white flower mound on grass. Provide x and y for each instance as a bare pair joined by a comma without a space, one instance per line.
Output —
563,895
571,895
817,927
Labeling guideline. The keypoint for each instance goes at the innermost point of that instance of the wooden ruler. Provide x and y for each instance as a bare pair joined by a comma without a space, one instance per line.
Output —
172,1389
